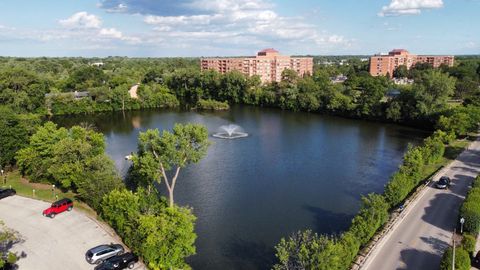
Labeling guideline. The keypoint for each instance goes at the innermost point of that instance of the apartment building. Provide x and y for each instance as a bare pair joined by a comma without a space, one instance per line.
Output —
268,64
381,64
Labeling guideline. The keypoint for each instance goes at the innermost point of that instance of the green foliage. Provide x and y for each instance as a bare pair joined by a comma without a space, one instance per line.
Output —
461,120
210,104
468,243
85,77
167,239
22,89
163,236
174,150
156,96
400,72
372,215
307,250
73,159
15,130
470,209
462,259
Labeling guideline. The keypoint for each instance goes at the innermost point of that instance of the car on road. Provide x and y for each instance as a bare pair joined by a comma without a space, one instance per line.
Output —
443,182
7,192
126,260
101,253
58,207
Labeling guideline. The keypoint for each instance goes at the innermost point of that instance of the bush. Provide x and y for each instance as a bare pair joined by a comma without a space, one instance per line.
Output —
209,104
468,243
470,210
462,259
163,236
476,182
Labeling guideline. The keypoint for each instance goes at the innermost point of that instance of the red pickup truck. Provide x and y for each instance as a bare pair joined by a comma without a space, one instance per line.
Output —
58,207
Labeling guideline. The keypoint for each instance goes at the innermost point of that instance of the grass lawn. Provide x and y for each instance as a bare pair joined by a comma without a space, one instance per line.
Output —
42,192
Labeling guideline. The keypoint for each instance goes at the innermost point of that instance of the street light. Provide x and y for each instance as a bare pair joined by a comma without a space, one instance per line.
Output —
462,220
53,191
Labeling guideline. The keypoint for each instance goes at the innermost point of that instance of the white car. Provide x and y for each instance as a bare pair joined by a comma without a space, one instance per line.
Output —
100,253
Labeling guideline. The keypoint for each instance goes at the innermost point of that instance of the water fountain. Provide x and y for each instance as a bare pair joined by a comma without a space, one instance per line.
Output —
230,132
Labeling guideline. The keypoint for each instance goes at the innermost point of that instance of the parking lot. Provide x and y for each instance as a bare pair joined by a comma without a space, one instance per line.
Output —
58,243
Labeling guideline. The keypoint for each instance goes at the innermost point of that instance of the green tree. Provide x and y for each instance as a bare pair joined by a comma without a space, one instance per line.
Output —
462,259
99,177
36,159
432,91
159,155
167,239
400,72
15,130
121,209
163,236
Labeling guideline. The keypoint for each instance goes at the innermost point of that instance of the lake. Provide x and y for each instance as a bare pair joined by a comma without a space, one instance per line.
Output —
294,171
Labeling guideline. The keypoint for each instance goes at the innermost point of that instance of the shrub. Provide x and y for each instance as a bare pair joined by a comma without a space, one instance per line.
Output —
468,243
476,182
372,215
210,104
462,259
470,210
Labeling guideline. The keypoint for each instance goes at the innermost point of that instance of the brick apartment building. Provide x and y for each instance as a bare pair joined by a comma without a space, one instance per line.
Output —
268,64
380,65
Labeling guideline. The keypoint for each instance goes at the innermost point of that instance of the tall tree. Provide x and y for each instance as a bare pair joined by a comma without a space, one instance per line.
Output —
160,155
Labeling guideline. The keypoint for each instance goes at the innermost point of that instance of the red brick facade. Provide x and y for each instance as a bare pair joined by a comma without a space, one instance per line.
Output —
381,65
268,64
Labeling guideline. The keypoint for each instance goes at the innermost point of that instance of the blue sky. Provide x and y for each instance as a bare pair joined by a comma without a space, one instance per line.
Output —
158,28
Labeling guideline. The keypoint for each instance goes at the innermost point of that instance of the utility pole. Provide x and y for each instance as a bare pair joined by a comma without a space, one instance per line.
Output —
453,256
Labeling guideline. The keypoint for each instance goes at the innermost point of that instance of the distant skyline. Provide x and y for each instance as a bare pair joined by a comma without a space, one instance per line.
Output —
159,28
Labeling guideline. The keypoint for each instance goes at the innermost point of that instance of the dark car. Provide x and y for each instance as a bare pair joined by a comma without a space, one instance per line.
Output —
7,192
443,182
123,261
101,253
58,207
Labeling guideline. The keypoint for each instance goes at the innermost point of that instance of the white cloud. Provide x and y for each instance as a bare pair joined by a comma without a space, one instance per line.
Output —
88,27
471,45
110,33
251,22
409,7
81,20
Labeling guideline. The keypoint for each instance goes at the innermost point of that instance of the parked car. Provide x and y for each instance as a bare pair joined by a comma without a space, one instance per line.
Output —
100,253
476,260
7,192
443,182
126,260
58,207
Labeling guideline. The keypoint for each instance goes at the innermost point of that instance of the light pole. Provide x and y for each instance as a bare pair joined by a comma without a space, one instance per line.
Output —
453,255
4,178
462,220
53,191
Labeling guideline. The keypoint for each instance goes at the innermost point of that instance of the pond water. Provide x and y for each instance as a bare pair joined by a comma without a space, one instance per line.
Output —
294,171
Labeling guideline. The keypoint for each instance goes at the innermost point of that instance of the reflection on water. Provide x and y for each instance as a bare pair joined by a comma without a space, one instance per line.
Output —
294,171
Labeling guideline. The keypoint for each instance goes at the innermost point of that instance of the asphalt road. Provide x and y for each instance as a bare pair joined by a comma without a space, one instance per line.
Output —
50,244
425,231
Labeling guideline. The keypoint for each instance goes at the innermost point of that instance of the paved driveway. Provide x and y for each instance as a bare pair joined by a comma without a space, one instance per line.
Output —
50,244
